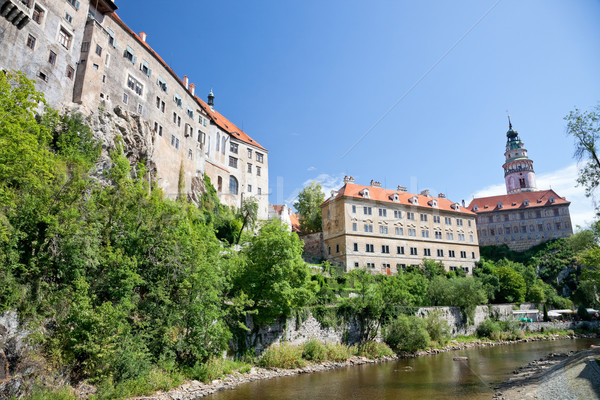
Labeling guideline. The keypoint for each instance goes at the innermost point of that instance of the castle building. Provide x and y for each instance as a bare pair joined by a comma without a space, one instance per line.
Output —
82,56
524,216
387,230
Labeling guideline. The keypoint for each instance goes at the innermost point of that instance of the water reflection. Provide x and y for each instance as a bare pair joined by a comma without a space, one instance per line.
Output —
432,377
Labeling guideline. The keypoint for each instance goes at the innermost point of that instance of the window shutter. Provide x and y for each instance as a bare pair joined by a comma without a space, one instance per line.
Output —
77,5
149,72
115,43
134,59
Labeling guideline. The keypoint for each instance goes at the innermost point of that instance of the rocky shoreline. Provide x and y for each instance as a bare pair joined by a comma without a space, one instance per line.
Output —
191,390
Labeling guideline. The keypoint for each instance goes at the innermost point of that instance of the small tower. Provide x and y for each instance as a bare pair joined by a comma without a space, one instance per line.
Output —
518,168
211,98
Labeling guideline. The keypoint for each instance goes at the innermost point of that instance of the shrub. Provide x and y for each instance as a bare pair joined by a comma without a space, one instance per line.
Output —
313,350
215,368
282,356
62,393
437,328
487,328
339,352
407,333
374,350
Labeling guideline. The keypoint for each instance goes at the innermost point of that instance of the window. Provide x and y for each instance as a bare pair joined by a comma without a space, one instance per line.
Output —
400,250
397,214
369,248
135,85
471,238
440,253
383,229
461,237
463,254
448,220
250,168
140,108
368,228
38,14
353,209
27,2
85,47
43,76
162,84
174,118
399,231
257,171
52,58
64,38
329,250
70,72
145,68
354,226
436,219
233,147
125,98
99,50
522,215
558,225
367,210
68,18
155,126
178,120
233,162
423,217
556,212
370,265
424,233
177,99
427,252
412,232
233,185
191,156
337,248
382,212
459,222
249,153
490,219
128,54
438,235
355,246
413,251
259,191
385,249
31,42
473,254
259,157
190,113
449,236
410,215
451,253
74,3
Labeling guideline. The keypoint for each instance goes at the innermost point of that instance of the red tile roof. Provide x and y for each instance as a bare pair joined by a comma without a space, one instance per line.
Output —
386,195
227,125
516,201
294,218
219,119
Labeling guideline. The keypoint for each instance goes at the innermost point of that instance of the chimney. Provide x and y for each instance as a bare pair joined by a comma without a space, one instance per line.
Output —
211,98
186,81
374,183
463,203
143,36
442,196
192,89
346,179
425,192
402,188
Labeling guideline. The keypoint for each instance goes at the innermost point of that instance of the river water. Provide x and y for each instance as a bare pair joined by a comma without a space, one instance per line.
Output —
430,377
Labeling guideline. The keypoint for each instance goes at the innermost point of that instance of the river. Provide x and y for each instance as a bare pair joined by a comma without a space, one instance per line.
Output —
430,377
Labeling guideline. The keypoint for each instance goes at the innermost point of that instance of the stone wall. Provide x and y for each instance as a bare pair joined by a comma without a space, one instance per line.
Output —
313,246
561,325
297,332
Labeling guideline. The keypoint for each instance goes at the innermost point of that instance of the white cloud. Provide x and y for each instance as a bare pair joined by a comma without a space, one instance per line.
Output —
311,168
564,183
328,183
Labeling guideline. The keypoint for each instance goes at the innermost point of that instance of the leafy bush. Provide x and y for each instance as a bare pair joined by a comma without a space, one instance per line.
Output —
313,350
374,350
487,328
437,328
282,356
407,333
216,368
62,393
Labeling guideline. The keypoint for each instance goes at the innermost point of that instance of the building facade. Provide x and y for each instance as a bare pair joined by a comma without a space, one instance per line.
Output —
525,216
386,230
82,55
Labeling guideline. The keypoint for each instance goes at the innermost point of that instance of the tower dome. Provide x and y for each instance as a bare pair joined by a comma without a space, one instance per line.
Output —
519,175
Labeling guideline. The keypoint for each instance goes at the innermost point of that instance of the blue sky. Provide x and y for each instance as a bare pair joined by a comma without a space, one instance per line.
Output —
309,79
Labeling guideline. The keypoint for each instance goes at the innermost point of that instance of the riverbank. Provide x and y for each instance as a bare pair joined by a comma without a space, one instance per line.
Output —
574,375
194,389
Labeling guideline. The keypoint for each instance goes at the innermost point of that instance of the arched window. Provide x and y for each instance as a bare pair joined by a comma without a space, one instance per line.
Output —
218,141
233,185
219,184
223,144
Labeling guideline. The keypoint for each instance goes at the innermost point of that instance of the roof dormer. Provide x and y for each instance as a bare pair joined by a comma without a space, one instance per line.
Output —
500,204
526,202
414,200
433,203
395,197
365,193
475,208
552,199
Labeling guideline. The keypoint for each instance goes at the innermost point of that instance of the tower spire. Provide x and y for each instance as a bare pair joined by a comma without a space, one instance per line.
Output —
509,123
518,168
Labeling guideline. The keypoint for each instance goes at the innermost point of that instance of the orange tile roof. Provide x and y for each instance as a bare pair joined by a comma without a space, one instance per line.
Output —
540,198
386,195
219,119
227,125
294,218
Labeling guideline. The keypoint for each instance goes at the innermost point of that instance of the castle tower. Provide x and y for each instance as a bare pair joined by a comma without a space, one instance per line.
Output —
518,168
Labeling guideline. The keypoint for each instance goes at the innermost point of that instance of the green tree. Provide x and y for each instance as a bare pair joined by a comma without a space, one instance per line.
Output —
308,207
248,214
512,287
407,333
274,276
584,127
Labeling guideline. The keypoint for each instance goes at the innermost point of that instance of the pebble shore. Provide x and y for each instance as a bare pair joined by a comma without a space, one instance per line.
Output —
191,390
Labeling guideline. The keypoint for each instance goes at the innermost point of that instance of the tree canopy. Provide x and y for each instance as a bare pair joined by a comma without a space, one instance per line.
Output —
308,207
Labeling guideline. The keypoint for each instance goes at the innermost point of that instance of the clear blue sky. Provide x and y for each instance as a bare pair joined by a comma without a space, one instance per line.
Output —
307,79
